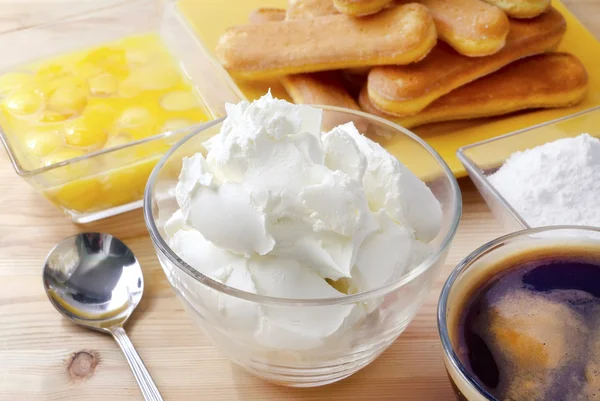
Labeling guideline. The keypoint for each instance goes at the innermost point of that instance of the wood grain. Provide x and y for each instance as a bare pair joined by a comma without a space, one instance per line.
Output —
37,344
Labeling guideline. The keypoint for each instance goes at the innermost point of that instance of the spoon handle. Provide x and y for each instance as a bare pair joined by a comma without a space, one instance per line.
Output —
142,376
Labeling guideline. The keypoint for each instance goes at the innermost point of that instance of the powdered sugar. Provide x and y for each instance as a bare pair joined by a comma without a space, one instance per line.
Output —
554,184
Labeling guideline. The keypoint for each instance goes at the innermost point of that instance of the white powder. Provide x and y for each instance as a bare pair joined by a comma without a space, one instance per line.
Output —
554,184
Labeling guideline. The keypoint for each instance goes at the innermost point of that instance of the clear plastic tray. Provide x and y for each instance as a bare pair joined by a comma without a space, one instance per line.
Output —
85,29
484,158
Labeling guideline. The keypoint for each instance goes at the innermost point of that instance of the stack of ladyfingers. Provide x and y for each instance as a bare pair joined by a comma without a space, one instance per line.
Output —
411,61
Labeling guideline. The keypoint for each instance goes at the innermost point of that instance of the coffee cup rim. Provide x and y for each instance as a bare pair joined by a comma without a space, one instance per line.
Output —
465,264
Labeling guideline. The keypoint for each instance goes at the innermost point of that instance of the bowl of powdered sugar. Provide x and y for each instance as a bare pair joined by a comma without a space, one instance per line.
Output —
547,175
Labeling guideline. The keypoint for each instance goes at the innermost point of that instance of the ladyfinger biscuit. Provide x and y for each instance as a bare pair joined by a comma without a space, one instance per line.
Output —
471,27
543,81
400,35
354,78
358,8
310,8
521,8
263,15
406,90
323,88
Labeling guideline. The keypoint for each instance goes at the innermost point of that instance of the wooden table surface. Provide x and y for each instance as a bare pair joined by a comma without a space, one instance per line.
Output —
38,346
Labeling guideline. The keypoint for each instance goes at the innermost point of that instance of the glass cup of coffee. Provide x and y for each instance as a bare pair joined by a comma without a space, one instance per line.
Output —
519,318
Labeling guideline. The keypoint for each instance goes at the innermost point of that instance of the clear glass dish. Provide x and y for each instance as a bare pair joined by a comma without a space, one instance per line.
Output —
345,352
81,186
484,158
464,383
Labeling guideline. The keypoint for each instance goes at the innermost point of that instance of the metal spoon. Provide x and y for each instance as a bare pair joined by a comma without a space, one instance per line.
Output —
94,280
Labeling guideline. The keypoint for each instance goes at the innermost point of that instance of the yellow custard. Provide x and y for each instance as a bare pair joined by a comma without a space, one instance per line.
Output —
99,98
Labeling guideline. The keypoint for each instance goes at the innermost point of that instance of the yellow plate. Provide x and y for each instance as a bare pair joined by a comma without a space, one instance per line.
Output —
210,18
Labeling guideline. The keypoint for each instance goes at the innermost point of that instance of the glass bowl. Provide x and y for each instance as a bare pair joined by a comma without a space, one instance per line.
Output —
465,385
111,181
295,361
485,158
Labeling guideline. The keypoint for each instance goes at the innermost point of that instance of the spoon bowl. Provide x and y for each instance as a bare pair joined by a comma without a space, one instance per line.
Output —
94,280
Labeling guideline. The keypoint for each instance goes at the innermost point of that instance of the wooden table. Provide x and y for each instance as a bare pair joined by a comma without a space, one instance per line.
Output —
44,357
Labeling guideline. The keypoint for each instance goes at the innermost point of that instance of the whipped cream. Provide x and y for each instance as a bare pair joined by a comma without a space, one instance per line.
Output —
277,208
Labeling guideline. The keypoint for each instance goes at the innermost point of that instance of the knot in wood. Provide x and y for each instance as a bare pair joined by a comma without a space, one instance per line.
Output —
82,365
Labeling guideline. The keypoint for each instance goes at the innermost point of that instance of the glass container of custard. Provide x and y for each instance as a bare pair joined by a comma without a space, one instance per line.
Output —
90,102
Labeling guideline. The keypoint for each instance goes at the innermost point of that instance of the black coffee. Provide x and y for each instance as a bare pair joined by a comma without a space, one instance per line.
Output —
532,331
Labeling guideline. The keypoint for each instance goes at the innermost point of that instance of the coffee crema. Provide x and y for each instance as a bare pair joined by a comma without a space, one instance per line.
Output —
530,328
